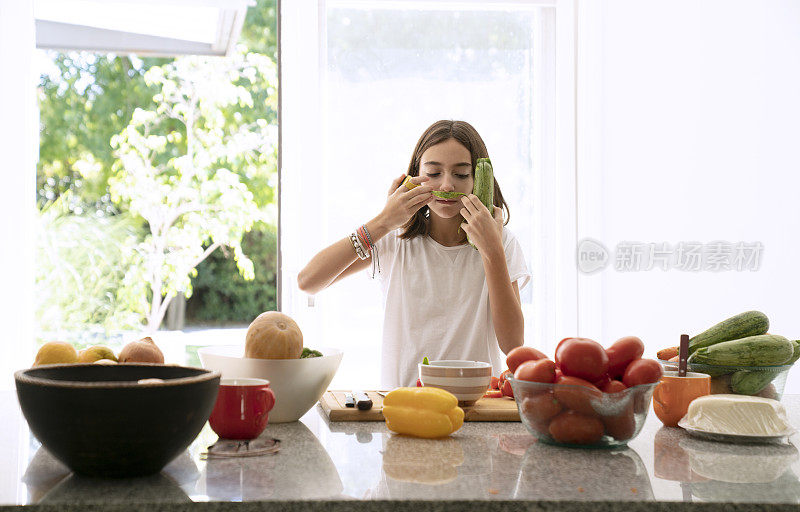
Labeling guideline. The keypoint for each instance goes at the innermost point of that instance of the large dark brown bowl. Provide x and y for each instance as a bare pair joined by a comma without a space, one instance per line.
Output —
99,421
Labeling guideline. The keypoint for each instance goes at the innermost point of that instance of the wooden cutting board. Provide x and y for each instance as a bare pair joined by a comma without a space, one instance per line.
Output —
485,409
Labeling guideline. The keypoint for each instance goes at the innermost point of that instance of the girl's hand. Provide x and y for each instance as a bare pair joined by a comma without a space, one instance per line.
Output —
485,231
403,202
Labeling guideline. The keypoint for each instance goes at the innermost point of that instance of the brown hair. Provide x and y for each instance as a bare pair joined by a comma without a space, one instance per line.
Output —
439,132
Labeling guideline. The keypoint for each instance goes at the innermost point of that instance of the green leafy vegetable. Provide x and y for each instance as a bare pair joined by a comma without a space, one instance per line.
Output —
307,352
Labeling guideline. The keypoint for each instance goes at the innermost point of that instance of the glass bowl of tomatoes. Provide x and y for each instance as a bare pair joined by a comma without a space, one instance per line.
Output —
580,416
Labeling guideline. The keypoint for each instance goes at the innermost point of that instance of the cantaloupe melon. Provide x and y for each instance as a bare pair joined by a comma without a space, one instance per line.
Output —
273,335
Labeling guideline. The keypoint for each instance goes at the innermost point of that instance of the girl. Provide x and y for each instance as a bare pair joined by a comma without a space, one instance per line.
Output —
443,299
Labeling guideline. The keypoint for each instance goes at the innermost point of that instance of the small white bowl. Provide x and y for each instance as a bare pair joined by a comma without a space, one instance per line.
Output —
297,383
467,380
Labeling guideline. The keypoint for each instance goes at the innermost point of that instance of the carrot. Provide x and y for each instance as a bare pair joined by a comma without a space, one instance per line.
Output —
667,353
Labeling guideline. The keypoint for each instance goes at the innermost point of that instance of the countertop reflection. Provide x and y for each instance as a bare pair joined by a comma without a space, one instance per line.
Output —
363,463
712,472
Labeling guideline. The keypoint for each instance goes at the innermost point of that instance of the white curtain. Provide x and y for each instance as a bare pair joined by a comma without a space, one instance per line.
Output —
19,148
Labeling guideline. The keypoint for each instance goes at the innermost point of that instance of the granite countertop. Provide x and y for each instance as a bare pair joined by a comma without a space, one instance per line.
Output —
362,467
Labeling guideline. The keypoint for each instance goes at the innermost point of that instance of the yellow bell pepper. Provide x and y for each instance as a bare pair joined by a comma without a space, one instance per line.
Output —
422,412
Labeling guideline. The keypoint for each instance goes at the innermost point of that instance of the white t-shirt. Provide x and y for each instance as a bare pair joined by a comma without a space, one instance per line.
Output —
436,304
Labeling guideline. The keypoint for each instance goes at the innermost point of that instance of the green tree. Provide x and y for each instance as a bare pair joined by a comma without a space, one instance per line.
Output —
85,99
176,177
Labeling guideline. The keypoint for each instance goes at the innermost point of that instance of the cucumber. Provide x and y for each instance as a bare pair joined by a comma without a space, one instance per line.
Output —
749,323
483,186
745,382
762,350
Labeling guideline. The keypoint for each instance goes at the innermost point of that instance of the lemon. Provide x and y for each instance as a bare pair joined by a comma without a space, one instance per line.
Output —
96,353
56,352
409,184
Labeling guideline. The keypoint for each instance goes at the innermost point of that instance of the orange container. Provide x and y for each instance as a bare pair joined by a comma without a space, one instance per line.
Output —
673,395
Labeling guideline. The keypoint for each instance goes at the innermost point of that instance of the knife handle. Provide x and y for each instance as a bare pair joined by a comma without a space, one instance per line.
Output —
363,401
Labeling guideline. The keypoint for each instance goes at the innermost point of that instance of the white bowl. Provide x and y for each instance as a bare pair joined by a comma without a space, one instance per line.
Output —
297,383
467,380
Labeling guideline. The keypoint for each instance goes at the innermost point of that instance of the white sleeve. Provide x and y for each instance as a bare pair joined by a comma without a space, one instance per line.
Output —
515,259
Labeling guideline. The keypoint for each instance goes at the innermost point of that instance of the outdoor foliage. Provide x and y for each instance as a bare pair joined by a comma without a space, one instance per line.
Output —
84,100
80,264
173,171
234,300
192,166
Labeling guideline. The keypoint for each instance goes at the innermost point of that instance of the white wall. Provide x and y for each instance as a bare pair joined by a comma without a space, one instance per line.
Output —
18,150
693,124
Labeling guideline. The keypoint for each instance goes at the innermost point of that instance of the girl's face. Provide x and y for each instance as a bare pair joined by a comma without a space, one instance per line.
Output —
449,167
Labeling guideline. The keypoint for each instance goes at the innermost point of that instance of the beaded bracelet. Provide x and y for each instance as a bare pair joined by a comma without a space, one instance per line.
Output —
364,240
362,255
376,260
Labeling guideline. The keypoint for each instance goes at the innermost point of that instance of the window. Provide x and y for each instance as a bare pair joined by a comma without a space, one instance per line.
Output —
355,99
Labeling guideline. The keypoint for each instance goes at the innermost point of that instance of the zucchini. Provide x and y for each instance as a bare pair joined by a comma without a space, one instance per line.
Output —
484,183
749,323
762,350
483,186
746,382
796,353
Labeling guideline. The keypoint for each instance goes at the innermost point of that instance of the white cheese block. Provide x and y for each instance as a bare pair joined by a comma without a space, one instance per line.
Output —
737,415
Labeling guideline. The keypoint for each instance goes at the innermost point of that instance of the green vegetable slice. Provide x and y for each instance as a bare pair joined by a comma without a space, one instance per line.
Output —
447,195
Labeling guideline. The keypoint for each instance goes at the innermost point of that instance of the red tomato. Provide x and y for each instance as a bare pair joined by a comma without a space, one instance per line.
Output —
559,374
642,371
582,358
540,408
563,340
573,397
542,427
621,426
493,393
519,355
502,379
573,428
507,389
495,383
543,370
614,386
602,381
622,352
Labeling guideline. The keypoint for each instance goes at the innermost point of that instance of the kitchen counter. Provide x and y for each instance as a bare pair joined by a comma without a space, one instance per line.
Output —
363,467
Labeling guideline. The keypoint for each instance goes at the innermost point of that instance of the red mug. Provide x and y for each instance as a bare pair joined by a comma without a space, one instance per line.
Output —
242,408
